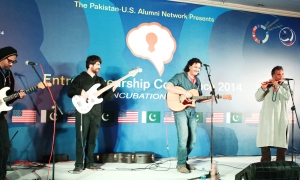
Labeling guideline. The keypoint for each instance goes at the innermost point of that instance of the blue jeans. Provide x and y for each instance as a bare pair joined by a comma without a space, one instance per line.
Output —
186,126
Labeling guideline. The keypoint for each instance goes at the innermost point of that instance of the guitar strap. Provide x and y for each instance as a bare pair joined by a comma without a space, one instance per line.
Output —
4,73
97,80
197,82
198,86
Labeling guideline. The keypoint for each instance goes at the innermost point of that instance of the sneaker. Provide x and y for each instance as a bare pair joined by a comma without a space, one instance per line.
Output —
77,169
190,167
94,167
182,169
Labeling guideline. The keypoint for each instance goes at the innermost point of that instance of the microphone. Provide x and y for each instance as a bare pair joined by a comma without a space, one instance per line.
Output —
205,65
18,74
288,79
31,63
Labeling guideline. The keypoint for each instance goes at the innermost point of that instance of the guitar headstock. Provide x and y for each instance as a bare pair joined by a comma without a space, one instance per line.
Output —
135,71
41,85
226,96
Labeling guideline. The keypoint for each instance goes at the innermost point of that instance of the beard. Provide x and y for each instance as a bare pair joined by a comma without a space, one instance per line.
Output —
96,70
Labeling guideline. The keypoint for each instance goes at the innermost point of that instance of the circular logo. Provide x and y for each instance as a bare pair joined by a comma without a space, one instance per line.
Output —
254,34
287,36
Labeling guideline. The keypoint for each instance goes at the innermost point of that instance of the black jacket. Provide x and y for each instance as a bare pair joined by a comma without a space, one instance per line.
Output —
85,81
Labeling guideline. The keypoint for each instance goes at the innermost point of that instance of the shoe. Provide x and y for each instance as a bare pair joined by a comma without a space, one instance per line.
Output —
77,169
93,167
190,167
182,169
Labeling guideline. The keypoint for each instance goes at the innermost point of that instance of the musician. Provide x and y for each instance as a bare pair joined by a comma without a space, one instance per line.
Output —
86,139
8,57
185,120
273,119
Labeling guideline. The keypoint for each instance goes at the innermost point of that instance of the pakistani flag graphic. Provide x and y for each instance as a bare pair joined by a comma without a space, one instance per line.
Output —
48,116
234,117
107,117
150,117
199,117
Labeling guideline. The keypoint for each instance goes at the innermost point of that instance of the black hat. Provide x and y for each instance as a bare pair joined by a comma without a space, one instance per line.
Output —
7,51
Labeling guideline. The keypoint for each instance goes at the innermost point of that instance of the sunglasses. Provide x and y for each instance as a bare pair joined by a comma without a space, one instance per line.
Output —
12,61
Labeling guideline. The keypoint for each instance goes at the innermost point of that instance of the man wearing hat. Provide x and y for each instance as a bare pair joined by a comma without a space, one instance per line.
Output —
8,57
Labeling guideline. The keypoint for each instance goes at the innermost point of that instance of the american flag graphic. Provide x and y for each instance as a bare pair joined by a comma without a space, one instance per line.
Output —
23,116
169,117
128,117
217,118
71,117
71,120
252,118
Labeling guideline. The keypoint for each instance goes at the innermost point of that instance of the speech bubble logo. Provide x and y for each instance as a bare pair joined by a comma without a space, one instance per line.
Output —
154,42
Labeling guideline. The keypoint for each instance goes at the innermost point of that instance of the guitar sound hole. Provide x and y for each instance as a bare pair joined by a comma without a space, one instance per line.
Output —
185,102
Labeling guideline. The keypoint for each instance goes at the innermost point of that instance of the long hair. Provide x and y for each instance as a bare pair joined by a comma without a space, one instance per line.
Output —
92,60
190,63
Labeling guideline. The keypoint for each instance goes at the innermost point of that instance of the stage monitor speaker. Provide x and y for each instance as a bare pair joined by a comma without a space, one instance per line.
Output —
275,170
106,157
140,157
123,157
144,157
126,157
58,158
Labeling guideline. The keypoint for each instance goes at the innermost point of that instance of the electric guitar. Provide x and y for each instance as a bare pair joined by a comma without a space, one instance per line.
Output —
4,98
178,102
85,105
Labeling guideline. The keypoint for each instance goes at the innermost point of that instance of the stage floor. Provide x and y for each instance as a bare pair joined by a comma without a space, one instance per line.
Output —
162,169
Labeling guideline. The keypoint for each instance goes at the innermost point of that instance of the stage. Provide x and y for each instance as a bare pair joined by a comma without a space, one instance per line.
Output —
162,169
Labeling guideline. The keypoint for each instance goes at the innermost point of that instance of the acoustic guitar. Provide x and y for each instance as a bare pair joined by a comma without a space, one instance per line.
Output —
178,102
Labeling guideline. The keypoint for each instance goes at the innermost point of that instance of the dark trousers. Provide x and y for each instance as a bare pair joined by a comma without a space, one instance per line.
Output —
266,154
87,128
4,146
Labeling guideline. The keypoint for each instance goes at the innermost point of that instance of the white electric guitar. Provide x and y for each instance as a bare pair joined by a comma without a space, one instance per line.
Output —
4,98
85,105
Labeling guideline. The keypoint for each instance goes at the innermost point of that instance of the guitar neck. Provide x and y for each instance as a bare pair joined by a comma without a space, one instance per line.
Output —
205,97
16,95
109,86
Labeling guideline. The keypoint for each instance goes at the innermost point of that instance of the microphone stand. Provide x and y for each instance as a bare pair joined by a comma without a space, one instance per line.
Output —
55,107
211,124
10,168
213,96
59,109
293,111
